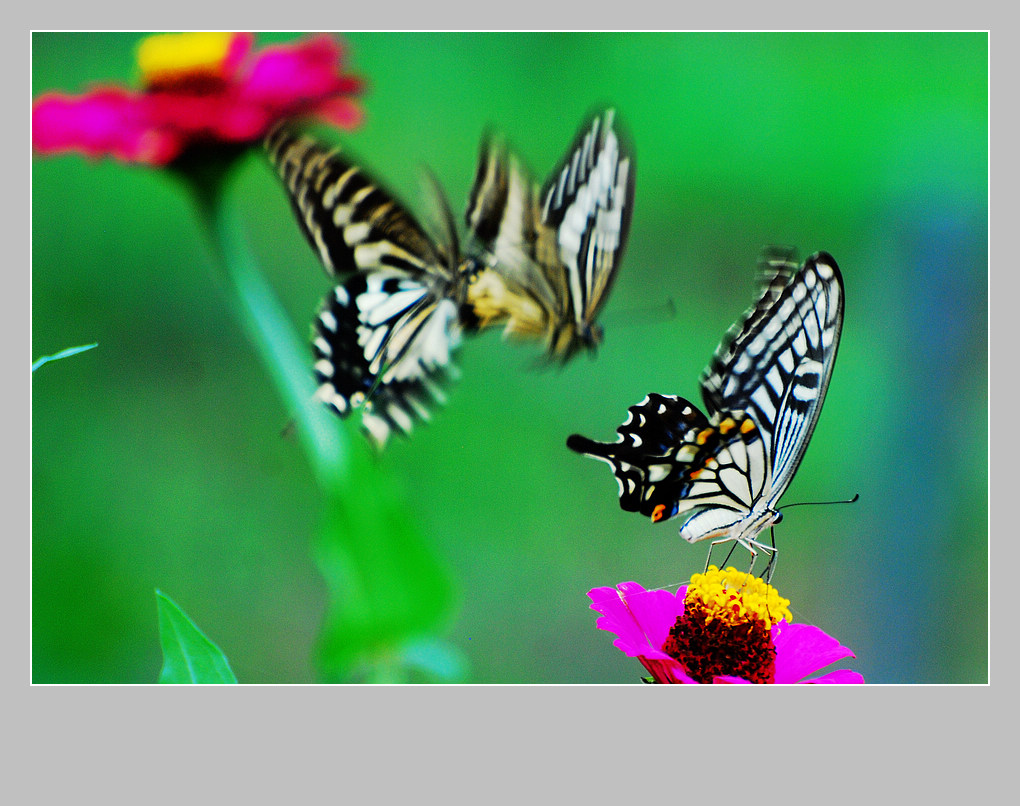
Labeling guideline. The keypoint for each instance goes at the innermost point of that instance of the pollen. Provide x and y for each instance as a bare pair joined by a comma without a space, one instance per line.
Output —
736,597
169,58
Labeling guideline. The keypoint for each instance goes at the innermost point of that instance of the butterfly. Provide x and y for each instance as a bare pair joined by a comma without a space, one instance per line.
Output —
540,261
763,391
551,254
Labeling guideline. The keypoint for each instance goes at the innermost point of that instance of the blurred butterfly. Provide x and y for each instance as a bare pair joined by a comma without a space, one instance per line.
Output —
541,261
763,392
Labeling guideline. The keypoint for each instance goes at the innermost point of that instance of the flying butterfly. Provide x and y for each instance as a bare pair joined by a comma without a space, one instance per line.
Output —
551,255
541,261
763,392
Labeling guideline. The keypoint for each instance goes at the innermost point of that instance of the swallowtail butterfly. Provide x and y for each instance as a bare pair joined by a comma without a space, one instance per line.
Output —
763,391
552,254
540,261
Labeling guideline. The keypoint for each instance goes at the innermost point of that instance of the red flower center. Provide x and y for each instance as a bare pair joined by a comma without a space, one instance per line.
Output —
707,647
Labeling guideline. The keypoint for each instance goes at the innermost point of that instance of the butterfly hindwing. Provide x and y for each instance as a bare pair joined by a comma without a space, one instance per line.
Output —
382,344
669,458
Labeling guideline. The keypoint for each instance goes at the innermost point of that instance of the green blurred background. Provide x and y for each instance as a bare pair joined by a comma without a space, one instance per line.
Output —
159,459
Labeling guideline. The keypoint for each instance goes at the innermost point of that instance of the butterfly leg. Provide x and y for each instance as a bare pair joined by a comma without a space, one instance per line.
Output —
769,551
711,550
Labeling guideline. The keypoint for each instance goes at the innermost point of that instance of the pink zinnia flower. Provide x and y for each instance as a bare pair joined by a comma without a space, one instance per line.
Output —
725,627
208,88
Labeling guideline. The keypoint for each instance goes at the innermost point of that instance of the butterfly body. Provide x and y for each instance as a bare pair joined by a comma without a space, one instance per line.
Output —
763,391
540,262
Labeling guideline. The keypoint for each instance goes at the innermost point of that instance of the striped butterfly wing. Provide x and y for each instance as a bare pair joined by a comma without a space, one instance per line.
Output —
384,336
669,458
776,362
763,391
555,251
503,219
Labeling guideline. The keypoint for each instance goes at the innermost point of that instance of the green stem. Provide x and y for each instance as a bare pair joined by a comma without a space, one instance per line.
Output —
267,325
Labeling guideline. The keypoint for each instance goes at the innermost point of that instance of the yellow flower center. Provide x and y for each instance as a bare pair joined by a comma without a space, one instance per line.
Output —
171,58
735,597
725,627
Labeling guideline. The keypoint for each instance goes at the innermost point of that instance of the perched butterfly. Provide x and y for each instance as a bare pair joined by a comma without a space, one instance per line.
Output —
542,261
763,392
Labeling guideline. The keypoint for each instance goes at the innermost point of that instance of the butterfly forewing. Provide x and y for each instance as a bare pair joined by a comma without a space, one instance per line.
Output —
777,361
350,221
588,201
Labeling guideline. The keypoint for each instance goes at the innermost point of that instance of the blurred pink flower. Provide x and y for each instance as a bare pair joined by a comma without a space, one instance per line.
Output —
200,89
688,642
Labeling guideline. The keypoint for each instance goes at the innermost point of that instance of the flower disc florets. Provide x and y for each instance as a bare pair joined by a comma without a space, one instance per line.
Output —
725,628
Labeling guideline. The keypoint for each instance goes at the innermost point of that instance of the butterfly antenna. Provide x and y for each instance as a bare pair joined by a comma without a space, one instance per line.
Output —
812,503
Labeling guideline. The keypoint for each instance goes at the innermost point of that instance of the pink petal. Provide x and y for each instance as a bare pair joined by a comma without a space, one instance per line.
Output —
106,121
343,112
306,70
667,671
802,649
241,45
642,619
839,676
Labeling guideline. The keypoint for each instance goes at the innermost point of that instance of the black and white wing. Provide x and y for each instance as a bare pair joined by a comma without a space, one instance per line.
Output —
776,361
763,391
554,253
384,336
669,458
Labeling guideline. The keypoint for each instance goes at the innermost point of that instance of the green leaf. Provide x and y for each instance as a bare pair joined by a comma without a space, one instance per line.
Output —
188,656
62,354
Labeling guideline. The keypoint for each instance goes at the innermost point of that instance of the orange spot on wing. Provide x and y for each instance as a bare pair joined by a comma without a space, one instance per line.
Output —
727,425
658,513
703,435
746,426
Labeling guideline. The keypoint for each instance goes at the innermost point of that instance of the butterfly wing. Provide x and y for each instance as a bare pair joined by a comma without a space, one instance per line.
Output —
669,458
502,218
385,336
776,361
382,345
555,251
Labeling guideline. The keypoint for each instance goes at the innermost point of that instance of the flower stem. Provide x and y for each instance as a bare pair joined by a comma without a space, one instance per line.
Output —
266,324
